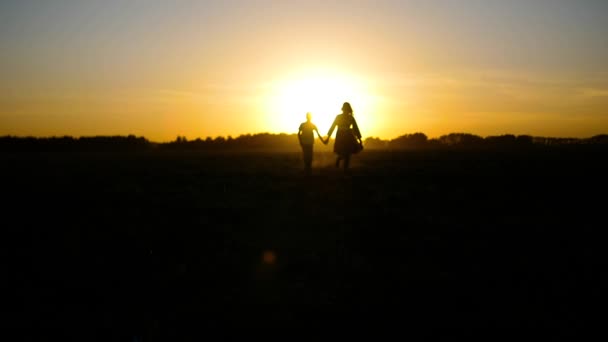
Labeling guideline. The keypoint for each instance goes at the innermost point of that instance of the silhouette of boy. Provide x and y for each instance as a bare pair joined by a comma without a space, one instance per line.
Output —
306,136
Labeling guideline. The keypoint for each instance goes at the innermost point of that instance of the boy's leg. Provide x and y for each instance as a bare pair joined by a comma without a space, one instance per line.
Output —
307,149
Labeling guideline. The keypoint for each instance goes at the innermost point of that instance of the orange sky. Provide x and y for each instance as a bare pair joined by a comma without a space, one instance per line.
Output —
160,69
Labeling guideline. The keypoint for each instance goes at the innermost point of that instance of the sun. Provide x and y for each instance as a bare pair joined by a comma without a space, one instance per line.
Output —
322,94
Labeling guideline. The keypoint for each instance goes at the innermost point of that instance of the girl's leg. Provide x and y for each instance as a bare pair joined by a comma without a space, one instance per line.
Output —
346,161
338,160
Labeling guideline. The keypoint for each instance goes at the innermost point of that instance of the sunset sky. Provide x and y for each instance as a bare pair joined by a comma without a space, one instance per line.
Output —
160,69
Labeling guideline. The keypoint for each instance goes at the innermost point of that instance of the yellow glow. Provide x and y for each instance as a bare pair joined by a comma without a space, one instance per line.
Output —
322,94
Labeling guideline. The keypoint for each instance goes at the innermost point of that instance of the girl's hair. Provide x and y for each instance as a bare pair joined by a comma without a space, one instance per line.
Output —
346,108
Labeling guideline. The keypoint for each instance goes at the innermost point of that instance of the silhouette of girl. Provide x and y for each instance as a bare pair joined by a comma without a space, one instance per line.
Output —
348,140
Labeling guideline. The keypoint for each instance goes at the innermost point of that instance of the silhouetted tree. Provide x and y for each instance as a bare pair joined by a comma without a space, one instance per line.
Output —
502,141
601,139
288,142
524,140
375,143
409,141
461,140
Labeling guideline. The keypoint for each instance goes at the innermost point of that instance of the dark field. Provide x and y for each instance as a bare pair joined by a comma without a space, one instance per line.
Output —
163,245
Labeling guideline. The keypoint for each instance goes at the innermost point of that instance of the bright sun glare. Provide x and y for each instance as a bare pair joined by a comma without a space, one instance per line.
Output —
322,96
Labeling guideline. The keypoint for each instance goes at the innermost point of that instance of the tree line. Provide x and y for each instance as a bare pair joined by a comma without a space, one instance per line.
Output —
289,142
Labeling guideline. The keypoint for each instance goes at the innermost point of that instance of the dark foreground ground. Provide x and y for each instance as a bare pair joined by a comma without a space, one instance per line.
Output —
161,246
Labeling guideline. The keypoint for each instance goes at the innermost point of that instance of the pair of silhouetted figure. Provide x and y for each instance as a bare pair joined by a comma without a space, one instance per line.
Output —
348,138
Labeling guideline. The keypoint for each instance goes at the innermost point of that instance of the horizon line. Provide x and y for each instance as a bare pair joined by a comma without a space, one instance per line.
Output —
281,133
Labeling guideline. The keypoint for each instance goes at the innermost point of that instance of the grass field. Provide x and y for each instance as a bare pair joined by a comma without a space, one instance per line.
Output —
162,245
